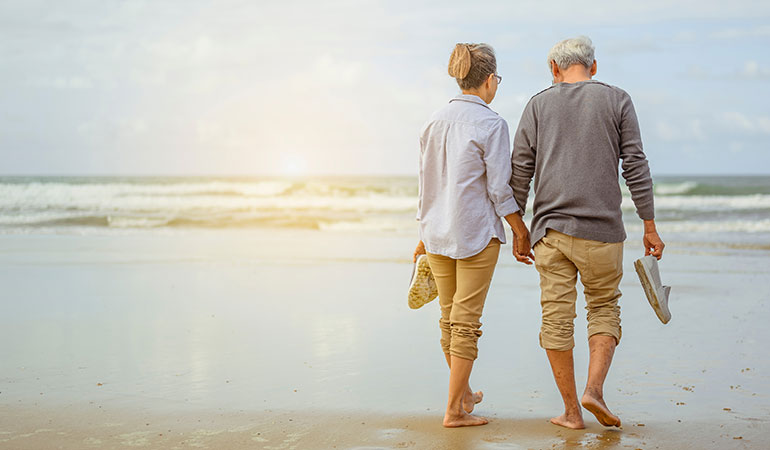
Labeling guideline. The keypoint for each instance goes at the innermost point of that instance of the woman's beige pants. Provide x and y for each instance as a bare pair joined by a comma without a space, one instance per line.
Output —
462,288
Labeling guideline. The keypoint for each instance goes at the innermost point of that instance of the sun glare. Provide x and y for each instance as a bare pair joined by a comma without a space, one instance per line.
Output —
294,165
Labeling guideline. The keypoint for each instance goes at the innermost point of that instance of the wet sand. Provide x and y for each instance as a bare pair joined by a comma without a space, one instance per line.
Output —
297,339
79,427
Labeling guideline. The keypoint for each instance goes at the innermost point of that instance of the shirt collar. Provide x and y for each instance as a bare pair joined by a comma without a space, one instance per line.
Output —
471,99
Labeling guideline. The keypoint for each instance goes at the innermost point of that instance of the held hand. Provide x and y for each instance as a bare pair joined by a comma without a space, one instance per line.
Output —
420,250
521,245
653,245
521,248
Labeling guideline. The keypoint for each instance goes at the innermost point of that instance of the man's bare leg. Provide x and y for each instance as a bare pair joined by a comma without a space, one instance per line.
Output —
455,416
602,349
471,399
563,369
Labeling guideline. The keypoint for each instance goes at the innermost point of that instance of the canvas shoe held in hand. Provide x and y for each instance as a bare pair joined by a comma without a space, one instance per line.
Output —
657,294
422,288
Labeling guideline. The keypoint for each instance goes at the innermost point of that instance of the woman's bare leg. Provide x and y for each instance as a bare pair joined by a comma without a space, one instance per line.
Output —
456,416
471,399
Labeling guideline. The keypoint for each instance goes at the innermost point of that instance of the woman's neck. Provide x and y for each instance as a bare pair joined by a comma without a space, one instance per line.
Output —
476,93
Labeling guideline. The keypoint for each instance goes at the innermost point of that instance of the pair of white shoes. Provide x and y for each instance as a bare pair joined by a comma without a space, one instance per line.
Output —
422,287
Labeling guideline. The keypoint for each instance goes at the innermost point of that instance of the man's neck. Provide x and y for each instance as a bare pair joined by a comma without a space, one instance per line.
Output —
575,74
571,80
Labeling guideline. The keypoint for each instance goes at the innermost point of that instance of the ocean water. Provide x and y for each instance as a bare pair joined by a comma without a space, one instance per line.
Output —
729,209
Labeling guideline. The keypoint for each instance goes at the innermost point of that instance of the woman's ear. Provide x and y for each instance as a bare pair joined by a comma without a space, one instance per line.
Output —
593,68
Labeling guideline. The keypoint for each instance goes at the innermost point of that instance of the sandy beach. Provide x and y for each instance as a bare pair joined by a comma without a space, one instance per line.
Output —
299,339
208,213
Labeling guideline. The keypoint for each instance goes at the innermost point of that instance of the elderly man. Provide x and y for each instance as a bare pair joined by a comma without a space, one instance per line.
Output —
571,138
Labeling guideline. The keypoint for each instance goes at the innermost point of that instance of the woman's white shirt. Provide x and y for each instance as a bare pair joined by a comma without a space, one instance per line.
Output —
465,168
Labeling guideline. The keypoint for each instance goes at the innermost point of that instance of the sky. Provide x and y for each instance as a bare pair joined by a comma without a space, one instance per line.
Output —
186,87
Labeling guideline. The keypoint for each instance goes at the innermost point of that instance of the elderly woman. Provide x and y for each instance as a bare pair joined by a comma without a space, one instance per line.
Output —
464,174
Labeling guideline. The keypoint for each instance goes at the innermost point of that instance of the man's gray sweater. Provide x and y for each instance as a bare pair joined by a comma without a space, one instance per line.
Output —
571,138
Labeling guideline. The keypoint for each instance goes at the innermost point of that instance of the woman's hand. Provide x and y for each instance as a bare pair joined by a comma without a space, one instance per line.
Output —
420,250
522,250
521,247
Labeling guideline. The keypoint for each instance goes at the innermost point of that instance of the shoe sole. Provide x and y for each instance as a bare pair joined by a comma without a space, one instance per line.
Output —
652,296
420,290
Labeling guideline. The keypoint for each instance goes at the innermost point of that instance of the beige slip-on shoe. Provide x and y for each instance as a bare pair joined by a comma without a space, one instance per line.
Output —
657,294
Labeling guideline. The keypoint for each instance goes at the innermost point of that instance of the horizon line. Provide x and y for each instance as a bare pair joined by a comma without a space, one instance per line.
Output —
316,175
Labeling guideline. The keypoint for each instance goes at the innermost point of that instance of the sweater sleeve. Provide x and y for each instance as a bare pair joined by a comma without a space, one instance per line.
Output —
498,168
636,170
523,157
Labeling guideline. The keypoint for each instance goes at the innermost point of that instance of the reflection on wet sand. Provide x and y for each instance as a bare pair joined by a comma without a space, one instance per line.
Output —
249,329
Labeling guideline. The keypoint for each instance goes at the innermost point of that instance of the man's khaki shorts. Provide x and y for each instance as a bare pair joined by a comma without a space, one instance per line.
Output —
559,259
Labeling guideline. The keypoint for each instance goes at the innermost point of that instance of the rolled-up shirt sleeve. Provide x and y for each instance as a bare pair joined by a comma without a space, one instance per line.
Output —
497,159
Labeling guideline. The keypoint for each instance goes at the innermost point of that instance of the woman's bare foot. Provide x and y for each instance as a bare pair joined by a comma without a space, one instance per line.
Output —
595,404
573,421
471,399
463,420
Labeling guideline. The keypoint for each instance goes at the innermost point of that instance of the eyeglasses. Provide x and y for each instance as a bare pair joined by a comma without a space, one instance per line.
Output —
499,78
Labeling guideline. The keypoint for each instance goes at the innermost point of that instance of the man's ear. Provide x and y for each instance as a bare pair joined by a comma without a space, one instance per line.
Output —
593,68
554,69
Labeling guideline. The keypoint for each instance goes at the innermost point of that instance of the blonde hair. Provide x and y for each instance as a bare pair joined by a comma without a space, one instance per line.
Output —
471,64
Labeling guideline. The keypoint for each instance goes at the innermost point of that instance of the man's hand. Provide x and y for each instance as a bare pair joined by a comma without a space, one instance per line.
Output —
521,245
420,250
653,244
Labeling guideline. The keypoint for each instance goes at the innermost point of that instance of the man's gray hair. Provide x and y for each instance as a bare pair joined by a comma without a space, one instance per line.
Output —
579,50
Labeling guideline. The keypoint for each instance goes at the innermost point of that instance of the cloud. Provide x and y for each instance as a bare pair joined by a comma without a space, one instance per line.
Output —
239,86
685,36
697,72
761,31
61,82
689,130
631,46
736,147
587,13
736,121
753,70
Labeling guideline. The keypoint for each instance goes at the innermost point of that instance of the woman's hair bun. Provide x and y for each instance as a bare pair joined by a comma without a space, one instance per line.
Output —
471,64
460,62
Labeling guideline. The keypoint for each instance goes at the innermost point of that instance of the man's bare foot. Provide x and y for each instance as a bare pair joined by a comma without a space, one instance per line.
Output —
572,421
595,404
463,420
471,399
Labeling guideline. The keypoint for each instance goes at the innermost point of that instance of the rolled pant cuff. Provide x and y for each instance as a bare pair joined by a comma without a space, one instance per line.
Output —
557,343
617,333
465,342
